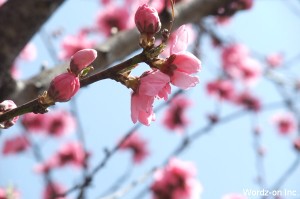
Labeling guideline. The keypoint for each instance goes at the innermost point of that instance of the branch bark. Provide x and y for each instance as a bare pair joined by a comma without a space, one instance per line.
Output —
19,21
115,48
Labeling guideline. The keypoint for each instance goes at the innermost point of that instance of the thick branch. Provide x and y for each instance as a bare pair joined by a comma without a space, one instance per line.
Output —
118,47
19,21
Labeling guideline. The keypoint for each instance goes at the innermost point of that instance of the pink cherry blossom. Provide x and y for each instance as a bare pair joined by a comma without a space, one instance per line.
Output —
52,190
81,59
234,196
6,106
249,70
35,122
232,54
147,20
15,145
137,145
29,52
176,180
181,67
248,101
9,193
73,43
63,87
112,19
71,153
60,123
274,60
175,118
221,88
285,122
153,84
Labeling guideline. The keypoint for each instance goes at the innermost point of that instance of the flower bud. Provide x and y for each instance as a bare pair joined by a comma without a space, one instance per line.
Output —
6,106
63,87
147,20
81,59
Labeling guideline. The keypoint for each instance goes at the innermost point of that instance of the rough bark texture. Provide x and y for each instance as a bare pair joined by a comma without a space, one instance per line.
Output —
116,48
19,21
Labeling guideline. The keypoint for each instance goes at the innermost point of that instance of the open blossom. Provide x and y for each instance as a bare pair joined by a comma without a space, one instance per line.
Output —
137,145
234,196
152,84
6,106
249,70
147,20
60,123
285,122
71,44
176,181
221,88
15,145
81,59
113,19
248,101
71,153
232,54
274,60
52,190
63,87
175,118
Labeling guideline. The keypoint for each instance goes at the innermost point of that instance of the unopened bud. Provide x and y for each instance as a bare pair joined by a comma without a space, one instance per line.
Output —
82,59
6,106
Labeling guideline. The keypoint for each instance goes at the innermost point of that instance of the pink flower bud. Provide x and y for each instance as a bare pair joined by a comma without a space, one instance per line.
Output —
147,20
81,59
64,87
6,106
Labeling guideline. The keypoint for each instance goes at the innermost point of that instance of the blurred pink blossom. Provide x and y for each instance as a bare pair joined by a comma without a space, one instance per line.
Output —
137,145
297,144
29,53
112,19
221,88
60,123
2,2
248,101
35,122
249,70
15,145
175,118
9,193
177,180
274,60
233,54
52,190
285,122
73,43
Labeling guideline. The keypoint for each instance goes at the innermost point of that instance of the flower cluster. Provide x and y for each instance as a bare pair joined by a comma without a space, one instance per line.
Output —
177,180
64,86
177,69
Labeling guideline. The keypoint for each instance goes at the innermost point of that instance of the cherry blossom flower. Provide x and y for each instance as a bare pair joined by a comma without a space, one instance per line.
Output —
71,153
234,196
249,70
6,106
285,122
29,52
248,101
113,19
147,20
175,118
221,88
137,145
71,44
60,123
53,189
35,122
274,60
63,87
81,59
233,54
15,145
176,181
152,84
